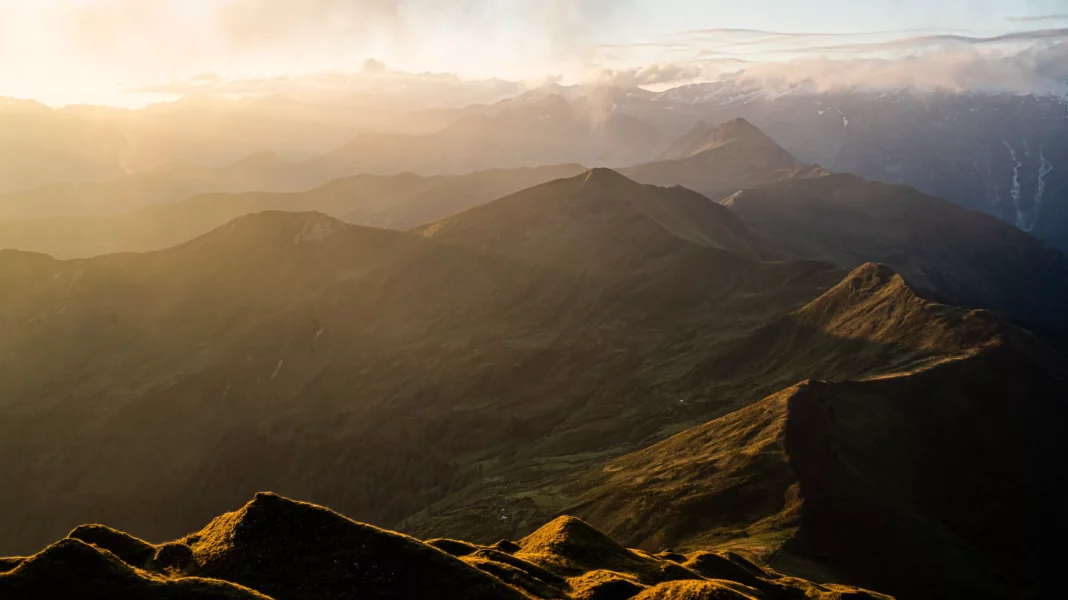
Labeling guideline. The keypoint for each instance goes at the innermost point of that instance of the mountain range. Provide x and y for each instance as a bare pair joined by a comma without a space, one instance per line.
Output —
695,378
792,210
997,153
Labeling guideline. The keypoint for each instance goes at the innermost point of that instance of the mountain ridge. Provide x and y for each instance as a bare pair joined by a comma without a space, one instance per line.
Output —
276,548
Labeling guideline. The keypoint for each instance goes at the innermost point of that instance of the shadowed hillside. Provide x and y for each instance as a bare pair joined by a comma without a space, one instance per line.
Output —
969,257
277,549
940,465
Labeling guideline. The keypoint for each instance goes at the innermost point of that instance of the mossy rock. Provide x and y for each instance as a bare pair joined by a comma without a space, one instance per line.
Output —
130,550
603,585
700,590
174,557
506,546
72,569
298,551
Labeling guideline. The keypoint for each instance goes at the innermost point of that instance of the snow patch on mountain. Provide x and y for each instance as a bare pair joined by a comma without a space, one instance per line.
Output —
1015,192
1044,169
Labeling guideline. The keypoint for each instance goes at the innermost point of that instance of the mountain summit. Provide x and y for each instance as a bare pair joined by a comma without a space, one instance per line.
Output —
739,132
719,159
600,217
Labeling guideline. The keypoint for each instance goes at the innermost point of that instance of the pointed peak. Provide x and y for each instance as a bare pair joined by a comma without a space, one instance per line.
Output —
704,137
862,284
572,538
740,130
131,550
601,175
871,276
57,560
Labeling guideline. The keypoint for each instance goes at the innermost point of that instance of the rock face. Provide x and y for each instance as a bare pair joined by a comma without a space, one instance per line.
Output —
274,548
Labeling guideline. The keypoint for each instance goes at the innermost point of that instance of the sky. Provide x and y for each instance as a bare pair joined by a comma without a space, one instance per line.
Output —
130,52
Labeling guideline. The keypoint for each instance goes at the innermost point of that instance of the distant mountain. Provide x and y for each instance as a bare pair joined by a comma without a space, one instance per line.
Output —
597,220
999,153
738,133
397,202
963,255
720,159
26,166
815,473
168,183
548,131
40,146
274,548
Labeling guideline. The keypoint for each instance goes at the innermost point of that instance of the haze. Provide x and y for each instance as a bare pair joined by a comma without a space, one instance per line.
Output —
129,52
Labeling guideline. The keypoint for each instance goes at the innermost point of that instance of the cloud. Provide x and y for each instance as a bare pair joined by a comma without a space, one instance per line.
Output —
375,83
374,66
1030,61
913,43
658,74
273,23
1039,71
1038,18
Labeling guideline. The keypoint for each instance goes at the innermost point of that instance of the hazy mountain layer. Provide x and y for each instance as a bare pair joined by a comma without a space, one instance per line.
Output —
397,202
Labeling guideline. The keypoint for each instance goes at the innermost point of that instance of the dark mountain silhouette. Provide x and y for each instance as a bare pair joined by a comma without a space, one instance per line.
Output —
969,257
275,548
398,202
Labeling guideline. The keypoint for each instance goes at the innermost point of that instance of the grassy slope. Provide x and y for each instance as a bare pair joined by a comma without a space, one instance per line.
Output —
940,463
277,548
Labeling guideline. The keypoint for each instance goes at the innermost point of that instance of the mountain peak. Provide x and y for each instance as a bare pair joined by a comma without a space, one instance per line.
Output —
575,542
740,127
705,137
602,175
